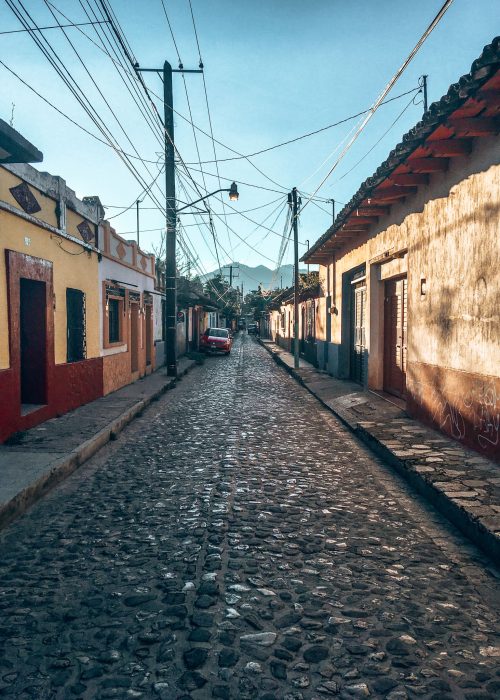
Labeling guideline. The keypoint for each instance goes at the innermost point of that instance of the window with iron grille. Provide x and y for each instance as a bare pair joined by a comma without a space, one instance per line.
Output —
76,339
310,320
114,320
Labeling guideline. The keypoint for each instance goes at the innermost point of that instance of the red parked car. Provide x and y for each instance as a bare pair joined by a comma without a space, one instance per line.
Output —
216,340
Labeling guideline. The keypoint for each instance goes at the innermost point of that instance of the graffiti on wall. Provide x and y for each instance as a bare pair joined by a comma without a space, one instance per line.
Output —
484,402
471,416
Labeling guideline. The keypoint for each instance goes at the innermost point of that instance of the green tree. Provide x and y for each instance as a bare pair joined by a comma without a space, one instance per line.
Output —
223,296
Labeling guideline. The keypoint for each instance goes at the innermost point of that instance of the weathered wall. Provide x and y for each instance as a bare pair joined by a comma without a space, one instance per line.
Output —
34,252
73,267
47,204
465,405
117,360
125,263
77,383
116,371
454,376
65,386
450,232
455,248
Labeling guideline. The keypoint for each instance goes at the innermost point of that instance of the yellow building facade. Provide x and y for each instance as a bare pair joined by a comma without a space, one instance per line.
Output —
49,298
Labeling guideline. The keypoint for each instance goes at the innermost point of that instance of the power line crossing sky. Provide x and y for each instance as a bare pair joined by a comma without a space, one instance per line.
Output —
273,71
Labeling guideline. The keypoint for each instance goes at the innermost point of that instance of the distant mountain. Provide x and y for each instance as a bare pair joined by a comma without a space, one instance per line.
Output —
251,277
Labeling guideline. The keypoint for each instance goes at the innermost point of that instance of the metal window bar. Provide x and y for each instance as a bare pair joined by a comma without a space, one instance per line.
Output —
114,320
76,346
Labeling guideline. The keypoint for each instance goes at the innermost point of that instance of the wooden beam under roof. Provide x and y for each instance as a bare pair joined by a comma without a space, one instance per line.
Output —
427,165
355,218
474,126
449,147
317,259
409,179
353,226
388,193
366,210
351,234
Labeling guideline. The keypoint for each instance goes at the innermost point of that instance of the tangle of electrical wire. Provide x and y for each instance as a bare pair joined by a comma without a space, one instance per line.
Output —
385,92
62,71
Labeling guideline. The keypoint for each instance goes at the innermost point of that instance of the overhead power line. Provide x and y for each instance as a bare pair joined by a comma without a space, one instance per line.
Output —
60,68
188,102
107,38
101,93
412,101
73,121
117,61
219,197
384,92
258,224
126,207
141,194
310,133
249,245
53,26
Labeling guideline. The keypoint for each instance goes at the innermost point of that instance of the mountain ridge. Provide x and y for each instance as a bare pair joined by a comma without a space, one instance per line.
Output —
251,277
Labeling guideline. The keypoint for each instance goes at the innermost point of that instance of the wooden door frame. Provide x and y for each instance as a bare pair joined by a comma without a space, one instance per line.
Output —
357,286
21,266
149,340
136,350
386,386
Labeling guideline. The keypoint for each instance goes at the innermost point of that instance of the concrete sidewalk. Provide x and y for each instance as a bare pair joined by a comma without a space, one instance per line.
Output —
49,452
461,484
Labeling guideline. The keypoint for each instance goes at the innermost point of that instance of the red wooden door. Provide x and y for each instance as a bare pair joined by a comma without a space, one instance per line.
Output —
395,332
33,341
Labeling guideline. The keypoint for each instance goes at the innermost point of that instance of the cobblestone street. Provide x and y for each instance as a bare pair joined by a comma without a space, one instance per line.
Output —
237,542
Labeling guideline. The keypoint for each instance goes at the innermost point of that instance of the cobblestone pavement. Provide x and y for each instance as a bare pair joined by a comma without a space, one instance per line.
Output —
237,542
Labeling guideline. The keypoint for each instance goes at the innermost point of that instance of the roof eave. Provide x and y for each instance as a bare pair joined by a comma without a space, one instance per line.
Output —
439,113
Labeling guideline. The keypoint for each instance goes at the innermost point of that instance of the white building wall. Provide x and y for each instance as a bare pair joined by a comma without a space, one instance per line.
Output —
126,277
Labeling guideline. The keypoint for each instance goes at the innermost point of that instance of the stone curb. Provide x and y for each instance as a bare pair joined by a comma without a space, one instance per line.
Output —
469,524
63,467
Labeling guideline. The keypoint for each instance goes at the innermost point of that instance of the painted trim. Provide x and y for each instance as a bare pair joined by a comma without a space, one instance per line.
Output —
5,206
123,306
108,256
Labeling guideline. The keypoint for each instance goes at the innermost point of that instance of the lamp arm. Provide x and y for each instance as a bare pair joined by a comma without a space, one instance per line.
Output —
223,189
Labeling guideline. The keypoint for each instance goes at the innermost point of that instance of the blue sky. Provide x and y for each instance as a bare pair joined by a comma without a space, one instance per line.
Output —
274,69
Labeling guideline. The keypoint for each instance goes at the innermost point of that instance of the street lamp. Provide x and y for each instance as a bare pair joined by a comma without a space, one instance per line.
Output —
233,192
170,209
171,282
233,196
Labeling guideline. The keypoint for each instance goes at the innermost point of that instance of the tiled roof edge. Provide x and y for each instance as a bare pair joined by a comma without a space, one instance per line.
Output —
437,113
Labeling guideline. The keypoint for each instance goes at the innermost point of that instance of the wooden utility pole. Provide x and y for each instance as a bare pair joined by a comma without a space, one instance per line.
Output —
171,221
170,215
231,274
295,210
